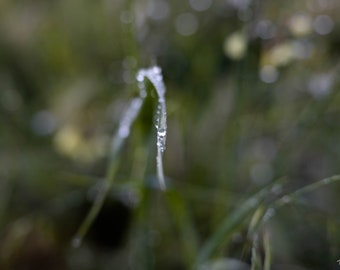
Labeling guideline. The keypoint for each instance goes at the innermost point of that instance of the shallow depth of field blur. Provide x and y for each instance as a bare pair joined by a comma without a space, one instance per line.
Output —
252,100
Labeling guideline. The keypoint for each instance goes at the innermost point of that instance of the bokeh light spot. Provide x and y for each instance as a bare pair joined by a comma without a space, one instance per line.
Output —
200,5
323,24
269,74
158,10
235,45
320,85
186,24
300,25
265,29
43,123
281,54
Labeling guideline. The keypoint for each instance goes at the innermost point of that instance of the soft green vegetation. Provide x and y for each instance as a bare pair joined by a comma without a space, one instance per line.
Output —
250,174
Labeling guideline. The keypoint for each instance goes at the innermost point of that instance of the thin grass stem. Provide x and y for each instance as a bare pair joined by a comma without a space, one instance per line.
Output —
230,223
116,146
267,250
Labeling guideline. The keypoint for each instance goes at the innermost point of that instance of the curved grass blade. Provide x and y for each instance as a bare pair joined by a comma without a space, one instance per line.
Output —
284,200
154,75
123,132
294,196
267,250
118,140
256,263
230,223
305,190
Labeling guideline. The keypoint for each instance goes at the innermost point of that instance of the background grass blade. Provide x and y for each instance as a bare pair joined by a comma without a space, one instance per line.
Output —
256,263
118,140
185,225
230,223
305,190
267,250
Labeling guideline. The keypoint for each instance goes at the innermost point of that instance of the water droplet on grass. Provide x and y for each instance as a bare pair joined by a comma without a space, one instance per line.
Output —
154,75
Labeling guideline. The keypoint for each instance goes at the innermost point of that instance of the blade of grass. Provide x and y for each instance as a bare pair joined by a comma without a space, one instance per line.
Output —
255,220
97,205
185,226
116,146
305,190
260,218
123,132
267,250
294,196
142,249
256,263
230,223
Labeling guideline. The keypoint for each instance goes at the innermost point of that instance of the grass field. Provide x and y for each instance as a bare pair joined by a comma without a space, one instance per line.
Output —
249,177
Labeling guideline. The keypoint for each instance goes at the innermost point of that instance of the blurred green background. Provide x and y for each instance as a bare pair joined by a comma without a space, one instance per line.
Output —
252,97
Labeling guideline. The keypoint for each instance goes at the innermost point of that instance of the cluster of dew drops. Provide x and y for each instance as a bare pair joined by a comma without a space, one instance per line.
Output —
154,74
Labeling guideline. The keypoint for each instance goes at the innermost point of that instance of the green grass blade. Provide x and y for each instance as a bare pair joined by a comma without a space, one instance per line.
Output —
256,263
284,200
185,226
305,190
141,247
120,137
267,250
230,223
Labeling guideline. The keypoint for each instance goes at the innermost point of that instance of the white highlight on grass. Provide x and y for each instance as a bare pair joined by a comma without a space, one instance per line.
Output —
126,123
154,75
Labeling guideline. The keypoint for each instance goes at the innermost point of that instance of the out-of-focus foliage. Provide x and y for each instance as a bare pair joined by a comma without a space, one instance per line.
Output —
252,96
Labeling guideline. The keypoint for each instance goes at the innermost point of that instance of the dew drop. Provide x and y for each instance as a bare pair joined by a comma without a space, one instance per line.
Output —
154,75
